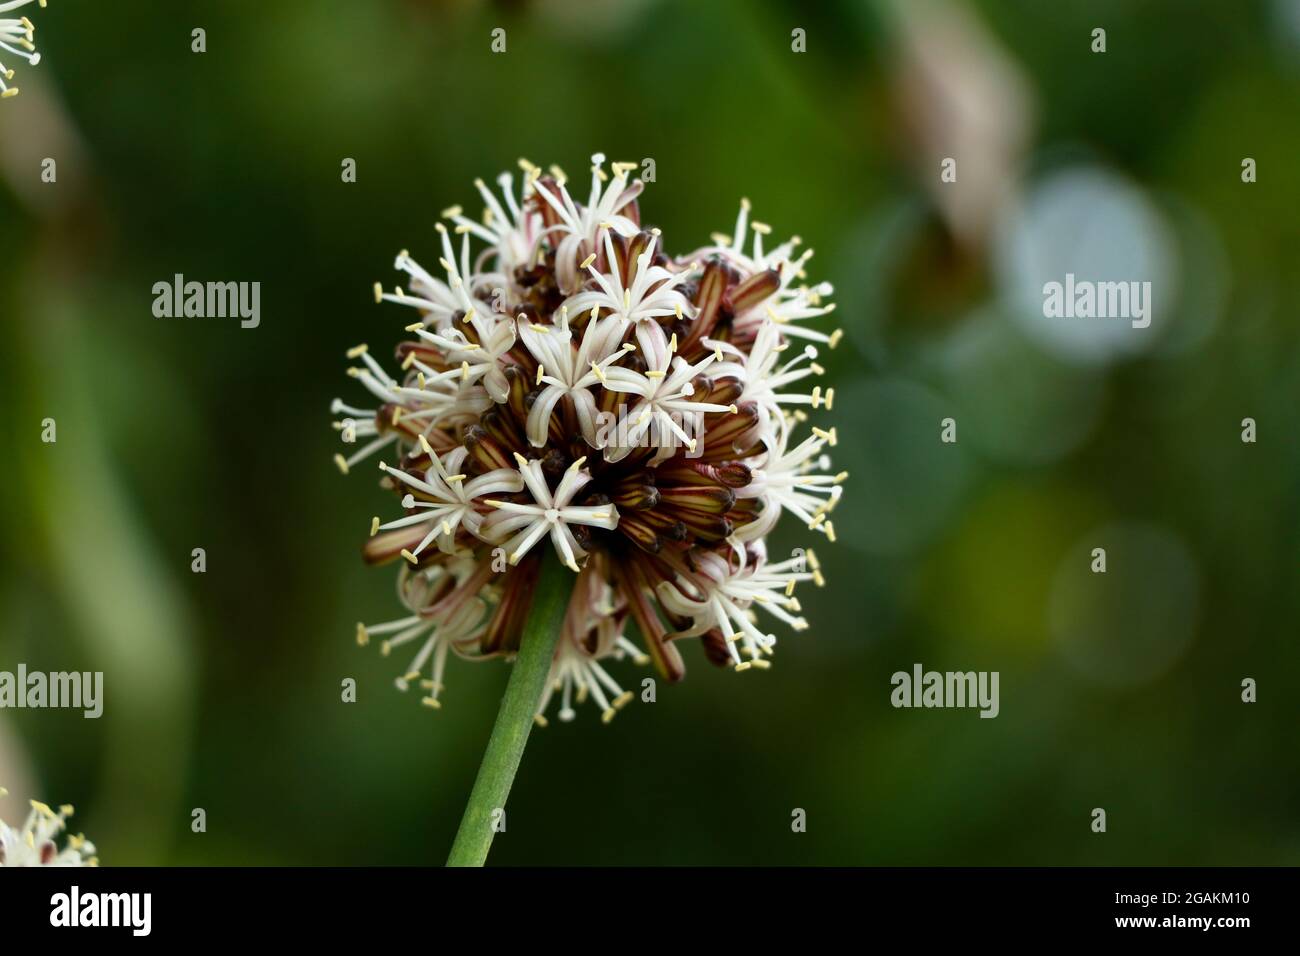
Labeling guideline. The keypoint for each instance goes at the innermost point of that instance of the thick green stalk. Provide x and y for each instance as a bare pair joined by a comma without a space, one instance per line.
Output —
515,718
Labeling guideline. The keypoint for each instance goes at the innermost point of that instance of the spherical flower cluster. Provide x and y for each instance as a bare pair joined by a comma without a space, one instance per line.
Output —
17,36
34,843
570,381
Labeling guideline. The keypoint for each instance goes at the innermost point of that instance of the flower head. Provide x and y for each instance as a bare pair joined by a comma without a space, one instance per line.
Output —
33,844
569,386
17,37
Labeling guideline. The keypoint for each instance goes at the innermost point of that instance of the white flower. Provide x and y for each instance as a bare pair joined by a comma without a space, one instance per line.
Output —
576,673
784,479
33,844
569,372
413,411
664,401
732,247
578,224
651,294
764,380
790,306
17,36
593,631
449,615
440,301
786,303
512,233
447,501
720,596
479,361
553,512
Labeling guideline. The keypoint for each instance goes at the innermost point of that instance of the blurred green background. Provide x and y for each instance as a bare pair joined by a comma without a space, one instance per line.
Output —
1119,691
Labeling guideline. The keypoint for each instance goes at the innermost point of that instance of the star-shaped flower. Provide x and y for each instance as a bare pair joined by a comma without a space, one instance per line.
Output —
553,512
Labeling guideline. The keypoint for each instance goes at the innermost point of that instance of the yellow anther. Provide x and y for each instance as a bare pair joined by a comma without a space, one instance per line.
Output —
827,436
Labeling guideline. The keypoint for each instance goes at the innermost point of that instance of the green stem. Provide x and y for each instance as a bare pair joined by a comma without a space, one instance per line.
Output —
515,718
